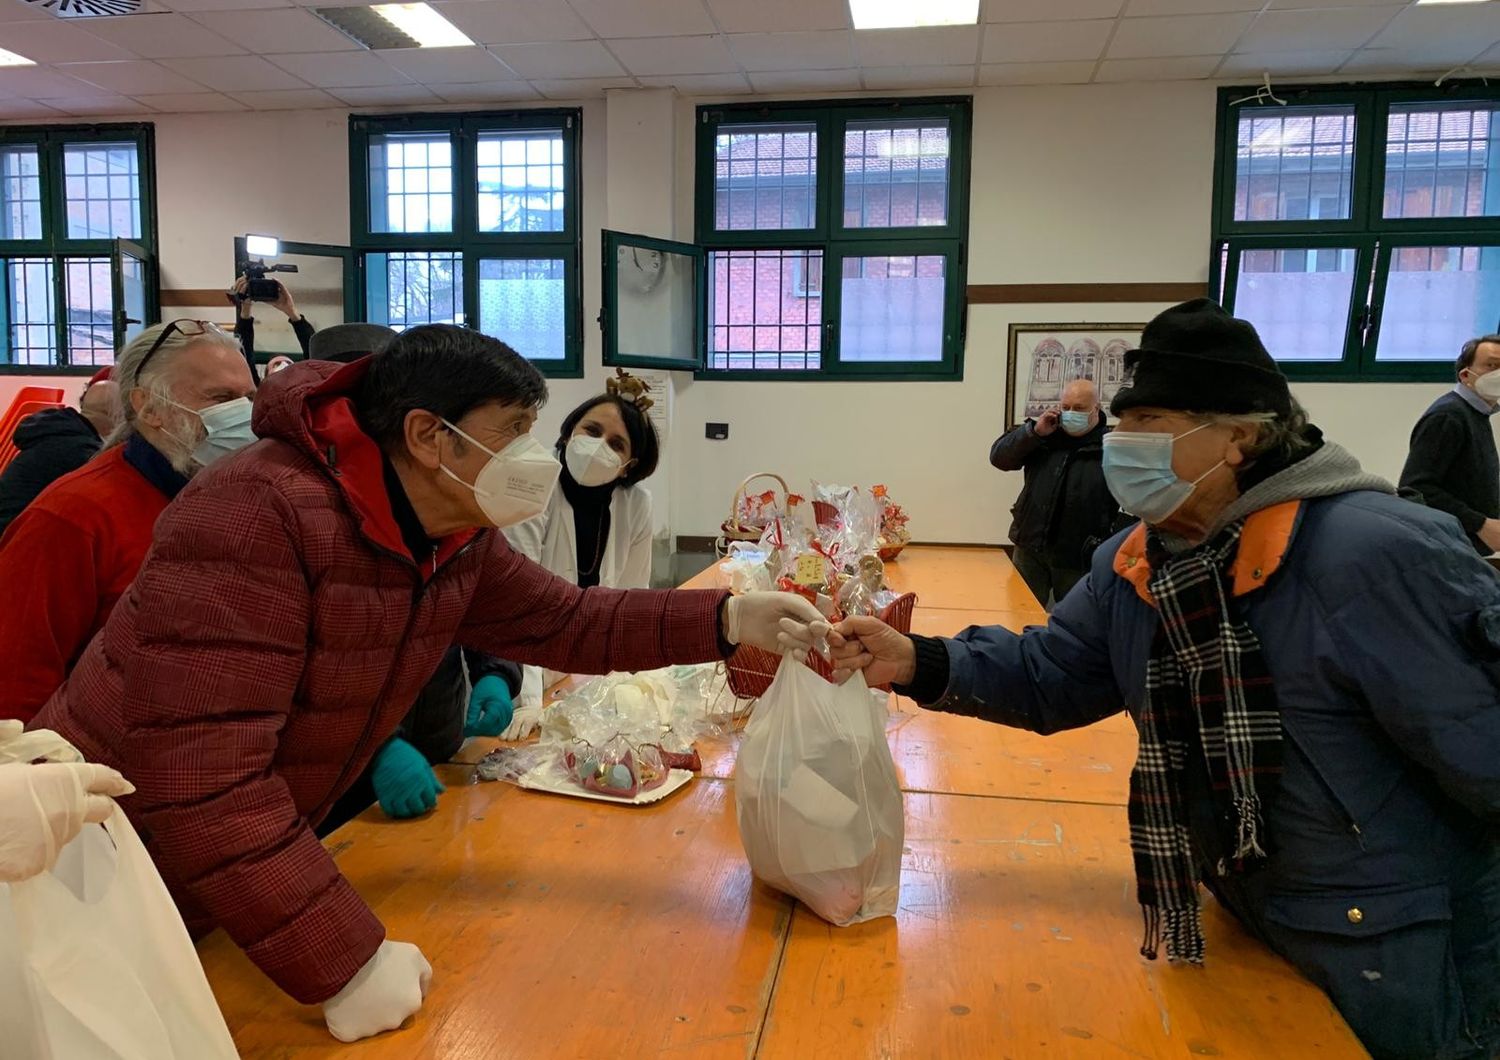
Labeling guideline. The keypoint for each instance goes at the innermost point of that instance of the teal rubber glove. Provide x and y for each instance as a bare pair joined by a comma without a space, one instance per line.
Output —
490,707
404,783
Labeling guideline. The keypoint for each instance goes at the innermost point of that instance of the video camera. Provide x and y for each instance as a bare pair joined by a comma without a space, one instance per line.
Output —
260,289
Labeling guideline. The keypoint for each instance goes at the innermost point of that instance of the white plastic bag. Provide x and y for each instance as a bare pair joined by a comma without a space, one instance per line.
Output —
95,961
817,796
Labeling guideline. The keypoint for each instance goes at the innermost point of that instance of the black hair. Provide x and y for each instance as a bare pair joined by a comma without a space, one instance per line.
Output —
1470,350
446,370
645,449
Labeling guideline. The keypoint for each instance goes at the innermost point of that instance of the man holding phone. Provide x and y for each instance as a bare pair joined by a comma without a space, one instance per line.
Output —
1065,509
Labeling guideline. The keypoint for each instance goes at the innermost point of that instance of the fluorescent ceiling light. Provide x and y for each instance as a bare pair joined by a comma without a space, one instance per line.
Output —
1421,2
894,14
263,246
423,24
12,59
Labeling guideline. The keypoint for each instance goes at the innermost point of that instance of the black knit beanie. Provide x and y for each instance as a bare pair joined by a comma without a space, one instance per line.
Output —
1195,357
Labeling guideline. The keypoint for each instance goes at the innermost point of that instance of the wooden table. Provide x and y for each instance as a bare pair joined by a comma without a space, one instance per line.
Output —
563,928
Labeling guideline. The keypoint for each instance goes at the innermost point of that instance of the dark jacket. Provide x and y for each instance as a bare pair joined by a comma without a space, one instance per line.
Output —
276,635
1374,618
435,723
244,330
1065,509
1454,466
52,443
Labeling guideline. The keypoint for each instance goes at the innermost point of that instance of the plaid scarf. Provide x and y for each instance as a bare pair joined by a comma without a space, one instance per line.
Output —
1208,692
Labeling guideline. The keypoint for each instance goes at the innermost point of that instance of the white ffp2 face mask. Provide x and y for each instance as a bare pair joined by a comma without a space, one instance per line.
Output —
1487,386
591,461
516,483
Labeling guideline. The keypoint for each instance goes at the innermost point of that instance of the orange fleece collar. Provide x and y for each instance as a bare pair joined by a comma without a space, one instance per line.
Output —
1263,546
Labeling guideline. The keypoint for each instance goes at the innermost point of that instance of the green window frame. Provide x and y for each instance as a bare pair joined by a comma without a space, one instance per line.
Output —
466,256
44,259
832,240
1364,244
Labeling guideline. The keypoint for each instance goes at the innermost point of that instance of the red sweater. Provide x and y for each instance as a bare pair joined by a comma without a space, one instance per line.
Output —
64,562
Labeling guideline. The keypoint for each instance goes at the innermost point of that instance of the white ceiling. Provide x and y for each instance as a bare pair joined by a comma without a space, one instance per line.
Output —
230,55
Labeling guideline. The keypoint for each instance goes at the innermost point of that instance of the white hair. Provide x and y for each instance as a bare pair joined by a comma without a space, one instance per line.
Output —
159,374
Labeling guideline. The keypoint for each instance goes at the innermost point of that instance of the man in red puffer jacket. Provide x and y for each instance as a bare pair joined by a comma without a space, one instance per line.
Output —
298,596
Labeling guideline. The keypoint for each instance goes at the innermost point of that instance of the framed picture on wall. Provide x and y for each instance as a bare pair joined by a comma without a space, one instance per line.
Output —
1043,358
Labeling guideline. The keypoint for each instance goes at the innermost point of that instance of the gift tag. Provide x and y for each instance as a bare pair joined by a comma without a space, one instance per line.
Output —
809,570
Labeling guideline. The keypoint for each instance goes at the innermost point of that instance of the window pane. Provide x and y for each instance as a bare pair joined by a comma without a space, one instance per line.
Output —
404,289
90,323
1436,299
655,303
411,182
522,302
103,187
1294,164
892,309
765,176
1442,161
30,307
1298,300
20,194
521,184
766,309
895,173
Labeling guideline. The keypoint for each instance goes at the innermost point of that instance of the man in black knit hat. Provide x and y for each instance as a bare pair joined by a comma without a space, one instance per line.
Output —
1313,667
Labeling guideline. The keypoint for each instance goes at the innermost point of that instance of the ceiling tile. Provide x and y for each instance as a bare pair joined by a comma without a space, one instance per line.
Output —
101,105
645,18
1140,8
933,46
191,103
163,36
235,73
1443,30
889,77
193,6
701,84
818,50
768,16
1040,42
386,96
1049,10
1304,4
56,41
1151,38
341,69
1173,69
286,99
486,92
37,82
560,59
26,108
674,55
1376,61
277,32
1036,73
450,66
17,11
805,81
1279,31
130,78
515,21
580,87
1284,64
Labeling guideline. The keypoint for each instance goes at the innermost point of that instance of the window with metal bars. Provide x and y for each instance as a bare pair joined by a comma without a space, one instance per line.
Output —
77,230
1359,229
833,240
472,219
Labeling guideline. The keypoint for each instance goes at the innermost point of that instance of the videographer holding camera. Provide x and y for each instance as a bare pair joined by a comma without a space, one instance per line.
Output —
244,325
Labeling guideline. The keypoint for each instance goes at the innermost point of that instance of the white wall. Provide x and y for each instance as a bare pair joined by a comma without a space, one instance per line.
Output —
1070,184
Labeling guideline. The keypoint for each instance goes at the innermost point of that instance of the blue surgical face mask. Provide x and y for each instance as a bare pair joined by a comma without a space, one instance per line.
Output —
226,428
1138,471
1075,423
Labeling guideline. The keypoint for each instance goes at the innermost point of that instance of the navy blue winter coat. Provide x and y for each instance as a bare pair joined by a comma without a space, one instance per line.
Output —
1381,629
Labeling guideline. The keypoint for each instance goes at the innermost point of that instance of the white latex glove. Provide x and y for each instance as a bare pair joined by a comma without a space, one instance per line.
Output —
389,988
524,720
783,623
18,745
43,807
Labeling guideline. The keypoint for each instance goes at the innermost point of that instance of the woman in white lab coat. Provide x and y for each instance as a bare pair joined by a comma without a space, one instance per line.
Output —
597,528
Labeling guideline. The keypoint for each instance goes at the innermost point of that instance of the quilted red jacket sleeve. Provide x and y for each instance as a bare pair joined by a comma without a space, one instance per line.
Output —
51,585
223,612
522,612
